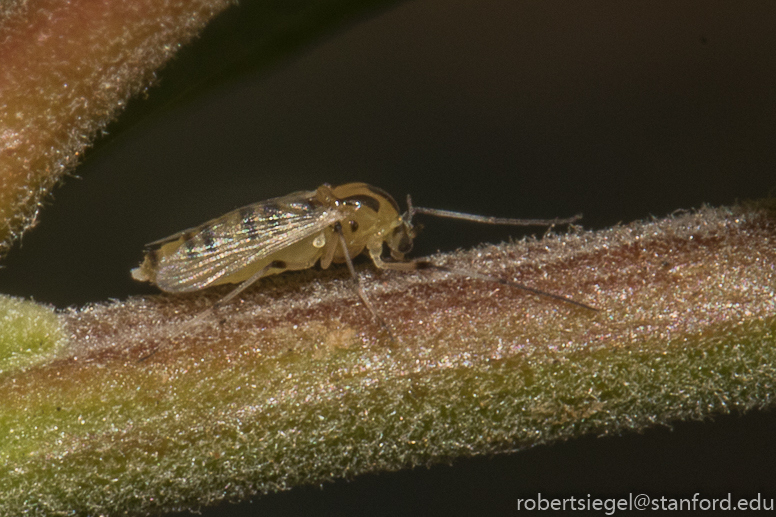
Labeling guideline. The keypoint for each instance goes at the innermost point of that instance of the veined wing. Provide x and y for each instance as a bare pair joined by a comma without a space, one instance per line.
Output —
233,241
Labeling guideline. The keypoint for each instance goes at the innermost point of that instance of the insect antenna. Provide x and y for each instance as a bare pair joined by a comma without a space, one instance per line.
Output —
412,210
424,264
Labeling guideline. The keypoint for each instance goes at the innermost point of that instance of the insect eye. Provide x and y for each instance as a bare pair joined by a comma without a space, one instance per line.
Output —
360,201
405,244
402,239
353,225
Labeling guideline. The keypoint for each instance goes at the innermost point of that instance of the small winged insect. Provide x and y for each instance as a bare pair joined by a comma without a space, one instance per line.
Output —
293,232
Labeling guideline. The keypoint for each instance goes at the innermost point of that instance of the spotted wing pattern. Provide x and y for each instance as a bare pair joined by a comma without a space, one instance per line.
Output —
233,241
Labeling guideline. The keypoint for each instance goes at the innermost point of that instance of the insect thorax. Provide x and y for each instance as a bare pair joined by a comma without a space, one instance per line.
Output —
372,218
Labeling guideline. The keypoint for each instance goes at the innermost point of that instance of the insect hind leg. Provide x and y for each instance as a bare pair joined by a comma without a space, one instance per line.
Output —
247,283
199,318
232,294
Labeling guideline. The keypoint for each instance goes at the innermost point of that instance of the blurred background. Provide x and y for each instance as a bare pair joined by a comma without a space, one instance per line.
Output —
620,111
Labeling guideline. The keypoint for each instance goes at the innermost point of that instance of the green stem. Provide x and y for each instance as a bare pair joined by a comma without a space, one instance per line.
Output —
296,384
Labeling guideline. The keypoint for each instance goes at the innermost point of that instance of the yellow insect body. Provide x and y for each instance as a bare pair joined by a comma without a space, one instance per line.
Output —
292,232
295,232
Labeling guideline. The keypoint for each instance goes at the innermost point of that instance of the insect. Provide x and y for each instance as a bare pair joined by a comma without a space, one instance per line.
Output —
327,225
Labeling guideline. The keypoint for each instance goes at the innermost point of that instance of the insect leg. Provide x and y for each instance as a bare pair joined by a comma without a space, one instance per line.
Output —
516,285
359,288
232,294
245,285
416,265
179,328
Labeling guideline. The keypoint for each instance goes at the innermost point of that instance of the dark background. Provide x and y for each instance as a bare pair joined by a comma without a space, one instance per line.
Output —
620,111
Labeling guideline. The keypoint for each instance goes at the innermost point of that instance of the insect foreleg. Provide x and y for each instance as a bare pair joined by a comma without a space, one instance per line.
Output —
515,285
397,266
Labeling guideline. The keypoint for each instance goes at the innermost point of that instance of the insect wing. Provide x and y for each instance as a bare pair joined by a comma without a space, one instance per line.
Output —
233,241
